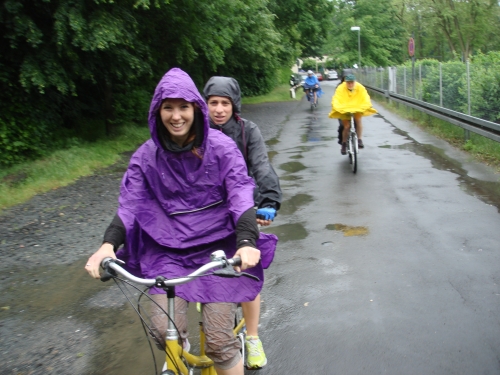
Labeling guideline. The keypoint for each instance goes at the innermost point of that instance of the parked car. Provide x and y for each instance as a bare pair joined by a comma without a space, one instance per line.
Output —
295,79
304,76
332,74
319,76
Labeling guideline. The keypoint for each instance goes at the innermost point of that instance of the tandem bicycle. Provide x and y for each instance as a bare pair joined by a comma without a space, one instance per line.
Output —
178,360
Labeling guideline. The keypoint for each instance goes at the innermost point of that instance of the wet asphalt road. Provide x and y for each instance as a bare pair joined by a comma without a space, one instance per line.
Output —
393,270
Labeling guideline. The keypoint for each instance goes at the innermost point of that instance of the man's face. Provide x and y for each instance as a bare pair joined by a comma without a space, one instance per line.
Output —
220,109
350,84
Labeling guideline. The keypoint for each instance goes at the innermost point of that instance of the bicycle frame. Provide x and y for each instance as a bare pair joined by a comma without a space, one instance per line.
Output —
178,361
177,358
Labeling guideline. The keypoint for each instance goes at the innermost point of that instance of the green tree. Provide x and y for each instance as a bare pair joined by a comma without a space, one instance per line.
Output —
69,67
381,39
447,29
309,64
304,25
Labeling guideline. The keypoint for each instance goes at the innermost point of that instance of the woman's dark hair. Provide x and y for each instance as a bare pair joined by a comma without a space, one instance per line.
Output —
195,136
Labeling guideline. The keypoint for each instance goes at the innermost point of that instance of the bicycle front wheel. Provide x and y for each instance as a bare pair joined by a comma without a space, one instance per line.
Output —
354,153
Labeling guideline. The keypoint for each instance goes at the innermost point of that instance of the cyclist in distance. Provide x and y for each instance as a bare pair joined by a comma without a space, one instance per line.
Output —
345,72
312,83
185,194
223,97
351,97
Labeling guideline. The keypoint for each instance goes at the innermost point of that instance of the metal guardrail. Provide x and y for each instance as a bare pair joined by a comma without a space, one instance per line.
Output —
476,125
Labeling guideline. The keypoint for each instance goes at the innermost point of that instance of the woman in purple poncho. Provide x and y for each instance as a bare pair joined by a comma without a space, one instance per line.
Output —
185,194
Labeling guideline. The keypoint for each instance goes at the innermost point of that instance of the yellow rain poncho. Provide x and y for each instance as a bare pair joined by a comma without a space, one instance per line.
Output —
345,101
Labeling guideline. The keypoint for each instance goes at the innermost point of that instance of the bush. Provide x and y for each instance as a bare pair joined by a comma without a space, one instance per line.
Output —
485,87
453,81
26,130
309,64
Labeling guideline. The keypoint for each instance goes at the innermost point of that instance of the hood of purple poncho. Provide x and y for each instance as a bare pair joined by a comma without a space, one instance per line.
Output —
176,84
179,199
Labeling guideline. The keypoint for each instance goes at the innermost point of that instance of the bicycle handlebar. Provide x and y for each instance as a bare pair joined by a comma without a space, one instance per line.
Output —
218,260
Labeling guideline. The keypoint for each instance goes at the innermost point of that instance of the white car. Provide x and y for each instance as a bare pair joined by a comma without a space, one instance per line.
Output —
332,75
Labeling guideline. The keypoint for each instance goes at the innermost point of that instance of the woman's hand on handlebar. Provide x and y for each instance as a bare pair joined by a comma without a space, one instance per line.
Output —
94,262
250,257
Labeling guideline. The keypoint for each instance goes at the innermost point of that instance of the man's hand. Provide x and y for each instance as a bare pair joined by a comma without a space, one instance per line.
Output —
250,257
265,215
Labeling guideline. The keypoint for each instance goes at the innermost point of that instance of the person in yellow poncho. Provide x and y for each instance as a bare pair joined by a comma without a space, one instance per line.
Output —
351,97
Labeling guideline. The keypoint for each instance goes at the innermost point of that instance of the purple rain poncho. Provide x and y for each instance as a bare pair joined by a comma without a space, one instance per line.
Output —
178,208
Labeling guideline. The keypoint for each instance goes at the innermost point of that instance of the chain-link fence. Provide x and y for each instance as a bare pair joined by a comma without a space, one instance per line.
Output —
470,88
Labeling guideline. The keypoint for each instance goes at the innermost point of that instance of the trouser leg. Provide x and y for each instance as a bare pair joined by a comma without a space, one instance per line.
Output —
159,320
221,344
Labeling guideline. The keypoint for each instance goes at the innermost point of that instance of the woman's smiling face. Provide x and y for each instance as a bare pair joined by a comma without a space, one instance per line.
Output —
177,115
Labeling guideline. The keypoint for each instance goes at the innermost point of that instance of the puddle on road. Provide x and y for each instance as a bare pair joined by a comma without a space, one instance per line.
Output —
486,191
73,324
315,130
292,204
288,232
271,155
290,177
292,166
349,231
272,141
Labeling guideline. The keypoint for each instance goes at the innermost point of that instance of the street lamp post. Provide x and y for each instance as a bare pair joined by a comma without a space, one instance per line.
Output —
358,29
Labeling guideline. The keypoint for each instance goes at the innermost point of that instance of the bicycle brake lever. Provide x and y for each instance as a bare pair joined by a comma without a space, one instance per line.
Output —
230,272
107,275
248,275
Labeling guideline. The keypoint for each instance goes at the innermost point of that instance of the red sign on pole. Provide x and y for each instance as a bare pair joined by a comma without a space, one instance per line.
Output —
411,47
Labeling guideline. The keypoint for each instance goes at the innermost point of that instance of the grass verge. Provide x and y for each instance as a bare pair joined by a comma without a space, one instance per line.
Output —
21,182
482,149
279,94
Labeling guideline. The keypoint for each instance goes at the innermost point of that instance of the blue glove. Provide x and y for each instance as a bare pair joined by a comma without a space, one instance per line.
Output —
266,213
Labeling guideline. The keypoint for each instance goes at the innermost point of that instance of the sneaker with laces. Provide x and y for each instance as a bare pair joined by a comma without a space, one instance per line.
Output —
256,358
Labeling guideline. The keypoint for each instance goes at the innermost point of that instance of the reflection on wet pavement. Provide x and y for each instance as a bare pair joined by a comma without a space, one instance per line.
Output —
292,204
349,231
100,335
288,232
315,129
272,141
271,155
487,191
292,166
290,178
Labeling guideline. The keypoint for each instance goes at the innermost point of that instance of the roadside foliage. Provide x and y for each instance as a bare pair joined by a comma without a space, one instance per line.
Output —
448,84
76,71
73,72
